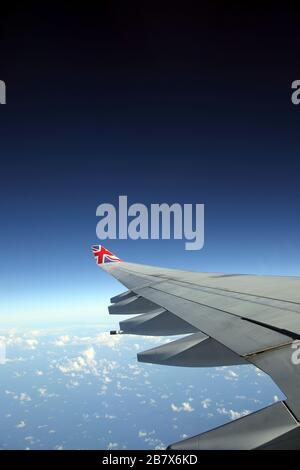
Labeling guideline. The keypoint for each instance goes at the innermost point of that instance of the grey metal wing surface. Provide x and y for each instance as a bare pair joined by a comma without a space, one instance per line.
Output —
226,320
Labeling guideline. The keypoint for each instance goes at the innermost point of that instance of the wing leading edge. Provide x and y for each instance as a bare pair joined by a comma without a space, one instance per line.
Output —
228,320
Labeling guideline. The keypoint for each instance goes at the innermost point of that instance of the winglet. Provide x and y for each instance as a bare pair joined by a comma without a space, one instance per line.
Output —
102,255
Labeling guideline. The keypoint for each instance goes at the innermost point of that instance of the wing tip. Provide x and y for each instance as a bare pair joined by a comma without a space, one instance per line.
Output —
103,256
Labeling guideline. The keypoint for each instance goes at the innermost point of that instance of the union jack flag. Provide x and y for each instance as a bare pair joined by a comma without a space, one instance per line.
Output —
102,255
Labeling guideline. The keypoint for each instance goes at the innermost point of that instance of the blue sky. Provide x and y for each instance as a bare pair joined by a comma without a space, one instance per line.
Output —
175,116
47,271
49,216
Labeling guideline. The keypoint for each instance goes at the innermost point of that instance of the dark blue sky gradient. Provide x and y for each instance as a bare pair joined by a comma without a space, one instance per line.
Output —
162,107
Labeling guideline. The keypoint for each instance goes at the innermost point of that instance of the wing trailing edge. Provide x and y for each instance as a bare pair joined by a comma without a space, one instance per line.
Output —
159,322
256,430
197,350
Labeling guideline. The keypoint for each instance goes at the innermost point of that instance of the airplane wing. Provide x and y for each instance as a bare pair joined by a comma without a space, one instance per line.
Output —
228,319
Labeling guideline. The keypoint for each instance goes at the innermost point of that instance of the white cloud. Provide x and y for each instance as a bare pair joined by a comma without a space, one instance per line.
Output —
175,408
30,439
31,343
232,413
160,446
259,372
23,397
185,406
238,414
206,403
19,374
112,445
21,425
36,332
21,341
232,373
150,439
89,354
62,340
72,384
102,339
84,364
164,396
